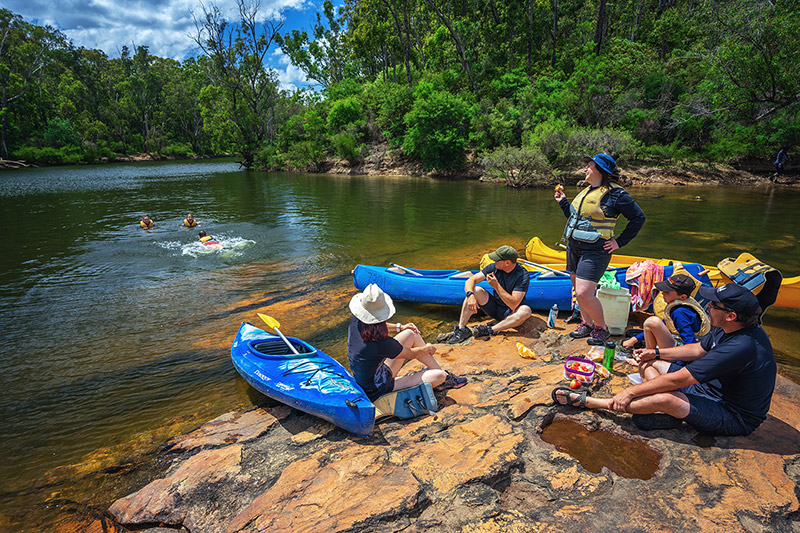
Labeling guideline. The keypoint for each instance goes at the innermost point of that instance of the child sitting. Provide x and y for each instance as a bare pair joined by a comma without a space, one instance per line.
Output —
683,321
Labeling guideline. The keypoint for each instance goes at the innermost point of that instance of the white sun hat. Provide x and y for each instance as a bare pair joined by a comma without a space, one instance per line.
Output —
372,306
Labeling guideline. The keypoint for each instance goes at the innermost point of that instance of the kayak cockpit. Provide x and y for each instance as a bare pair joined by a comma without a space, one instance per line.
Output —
277,349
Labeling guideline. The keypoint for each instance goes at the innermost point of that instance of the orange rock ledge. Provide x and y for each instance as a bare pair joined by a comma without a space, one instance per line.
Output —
480,466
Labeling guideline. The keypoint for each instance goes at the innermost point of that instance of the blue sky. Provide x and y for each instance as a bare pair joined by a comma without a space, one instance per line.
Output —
164,26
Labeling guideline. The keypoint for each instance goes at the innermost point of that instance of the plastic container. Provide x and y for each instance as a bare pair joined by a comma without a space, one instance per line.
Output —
583,376
616,306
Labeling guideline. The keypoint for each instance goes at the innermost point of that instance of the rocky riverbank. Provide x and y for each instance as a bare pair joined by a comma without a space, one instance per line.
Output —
385,160
480,465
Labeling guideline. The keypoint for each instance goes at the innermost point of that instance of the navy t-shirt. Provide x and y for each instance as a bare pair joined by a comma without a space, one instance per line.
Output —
516,280
687,322
739,370
366,357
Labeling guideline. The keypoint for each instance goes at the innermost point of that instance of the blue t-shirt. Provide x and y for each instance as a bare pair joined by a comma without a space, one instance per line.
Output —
738,370
687,322
366,357
516,280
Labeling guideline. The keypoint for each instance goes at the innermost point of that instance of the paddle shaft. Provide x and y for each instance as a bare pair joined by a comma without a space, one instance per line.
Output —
271,322
537,265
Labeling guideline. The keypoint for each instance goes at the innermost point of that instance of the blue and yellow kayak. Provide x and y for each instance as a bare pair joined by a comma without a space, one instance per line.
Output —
312,381
447,286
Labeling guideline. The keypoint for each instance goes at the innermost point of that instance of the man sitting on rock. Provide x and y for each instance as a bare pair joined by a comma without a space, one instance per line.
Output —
724,389
510,283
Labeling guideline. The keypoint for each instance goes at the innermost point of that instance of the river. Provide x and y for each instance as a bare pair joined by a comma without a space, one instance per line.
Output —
114,338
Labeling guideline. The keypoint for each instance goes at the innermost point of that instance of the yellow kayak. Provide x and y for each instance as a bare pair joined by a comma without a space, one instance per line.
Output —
537,252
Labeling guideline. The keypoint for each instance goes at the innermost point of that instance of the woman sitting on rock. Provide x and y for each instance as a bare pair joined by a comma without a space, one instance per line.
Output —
376,358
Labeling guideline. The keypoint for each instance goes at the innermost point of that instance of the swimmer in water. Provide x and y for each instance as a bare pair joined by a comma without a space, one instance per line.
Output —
207,240
189,222
146,223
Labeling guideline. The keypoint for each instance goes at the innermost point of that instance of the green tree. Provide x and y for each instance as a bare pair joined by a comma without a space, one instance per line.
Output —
23,49
438,130
237,56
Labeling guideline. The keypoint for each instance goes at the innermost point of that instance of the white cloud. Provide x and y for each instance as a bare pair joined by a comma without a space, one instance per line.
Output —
165,27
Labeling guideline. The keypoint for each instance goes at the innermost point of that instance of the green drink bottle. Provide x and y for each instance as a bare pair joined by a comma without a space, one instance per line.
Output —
608,355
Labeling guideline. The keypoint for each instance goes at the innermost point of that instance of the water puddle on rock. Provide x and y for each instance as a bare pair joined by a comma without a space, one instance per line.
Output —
595,449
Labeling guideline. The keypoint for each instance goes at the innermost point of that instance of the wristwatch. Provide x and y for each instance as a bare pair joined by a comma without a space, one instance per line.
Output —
469,293
658,353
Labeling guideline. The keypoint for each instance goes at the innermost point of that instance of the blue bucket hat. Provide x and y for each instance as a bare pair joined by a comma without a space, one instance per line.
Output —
604,162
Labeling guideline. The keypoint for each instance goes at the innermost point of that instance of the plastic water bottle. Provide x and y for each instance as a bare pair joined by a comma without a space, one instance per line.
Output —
608,355
551,318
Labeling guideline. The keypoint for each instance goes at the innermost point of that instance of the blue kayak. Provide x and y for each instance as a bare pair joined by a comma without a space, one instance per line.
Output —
312,381
447,286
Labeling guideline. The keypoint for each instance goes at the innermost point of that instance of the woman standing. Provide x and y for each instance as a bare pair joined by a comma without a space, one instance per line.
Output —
376,358
592,216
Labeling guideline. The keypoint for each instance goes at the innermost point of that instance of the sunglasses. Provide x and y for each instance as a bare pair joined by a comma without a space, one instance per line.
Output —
720,307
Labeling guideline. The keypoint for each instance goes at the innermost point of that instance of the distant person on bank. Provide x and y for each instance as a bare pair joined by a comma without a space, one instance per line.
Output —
780,163
591,218
683,318
146,223
726,386
510,283
376,358
189,221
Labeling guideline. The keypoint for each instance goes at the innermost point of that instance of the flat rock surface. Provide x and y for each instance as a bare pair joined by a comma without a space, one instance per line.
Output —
480,465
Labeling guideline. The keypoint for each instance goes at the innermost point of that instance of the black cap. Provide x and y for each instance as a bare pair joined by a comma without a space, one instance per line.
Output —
734,296
679,282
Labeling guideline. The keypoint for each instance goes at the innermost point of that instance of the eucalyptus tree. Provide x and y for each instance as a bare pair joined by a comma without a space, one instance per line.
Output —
325,58
23,54
237,52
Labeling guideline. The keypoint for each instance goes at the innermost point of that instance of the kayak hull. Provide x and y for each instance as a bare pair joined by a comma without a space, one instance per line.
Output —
312,382
447,286
538,252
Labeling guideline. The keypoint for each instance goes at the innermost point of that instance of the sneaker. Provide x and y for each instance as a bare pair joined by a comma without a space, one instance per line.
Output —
598,336
584,330
482,331
656,421
460,335
451,382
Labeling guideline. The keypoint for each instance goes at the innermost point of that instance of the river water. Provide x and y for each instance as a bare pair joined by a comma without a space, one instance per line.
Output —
110,332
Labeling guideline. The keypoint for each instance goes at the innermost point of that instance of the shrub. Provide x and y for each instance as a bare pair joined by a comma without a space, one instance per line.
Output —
60,132
563,145
269,158
389,102
343,113
345,146
177,150
438,129
496,125
305,155
519,167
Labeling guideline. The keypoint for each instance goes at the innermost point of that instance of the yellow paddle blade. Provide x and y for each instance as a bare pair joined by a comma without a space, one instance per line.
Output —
269,321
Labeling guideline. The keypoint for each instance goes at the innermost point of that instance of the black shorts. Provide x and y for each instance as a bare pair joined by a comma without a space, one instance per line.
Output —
495,310
587,263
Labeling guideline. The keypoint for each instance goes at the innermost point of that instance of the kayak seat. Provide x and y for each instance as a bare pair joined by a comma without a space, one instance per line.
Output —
465,274
279,348
396,270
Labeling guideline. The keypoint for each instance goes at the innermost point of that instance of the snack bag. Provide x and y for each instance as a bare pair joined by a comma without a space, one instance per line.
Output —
525,352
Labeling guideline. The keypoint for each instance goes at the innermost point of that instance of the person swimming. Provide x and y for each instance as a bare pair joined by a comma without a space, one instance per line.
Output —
207,240
146,223
189,221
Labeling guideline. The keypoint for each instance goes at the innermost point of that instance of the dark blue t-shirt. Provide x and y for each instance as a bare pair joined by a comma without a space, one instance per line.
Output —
516,280
687,322
739,370
366,357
